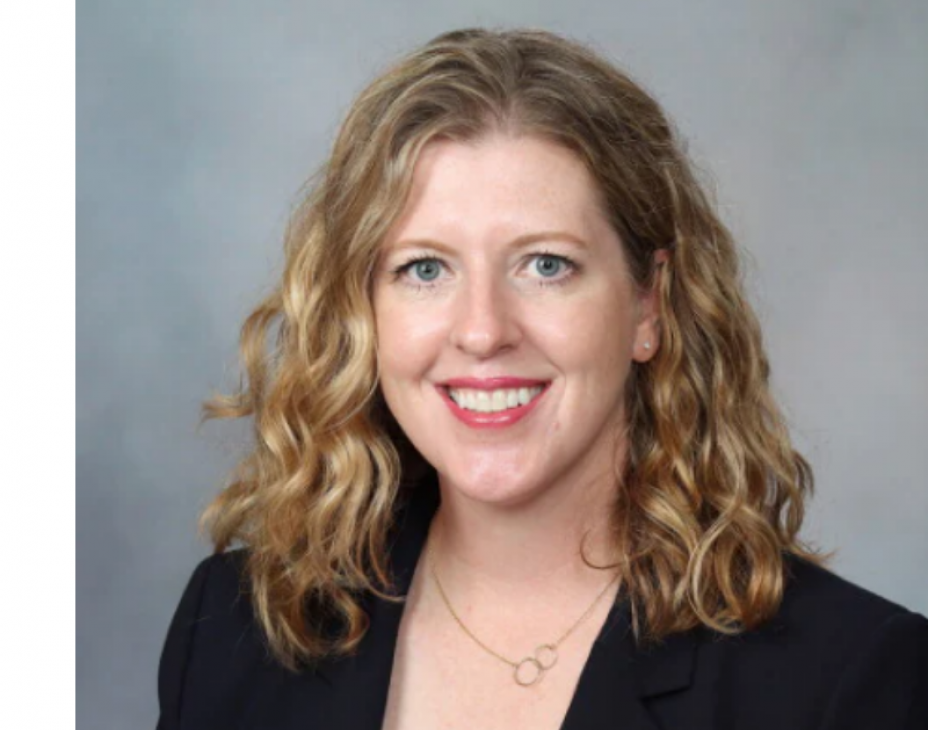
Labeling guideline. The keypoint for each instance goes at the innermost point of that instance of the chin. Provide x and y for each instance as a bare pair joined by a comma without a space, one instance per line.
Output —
496,488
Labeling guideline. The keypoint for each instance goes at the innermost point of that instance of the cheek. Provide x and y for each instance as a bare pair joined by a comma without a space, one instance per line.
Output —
597,335
407,339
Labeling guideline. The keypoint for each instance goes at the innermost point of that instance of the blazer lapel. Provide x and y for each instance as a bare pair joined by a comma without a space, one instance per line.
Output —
623,683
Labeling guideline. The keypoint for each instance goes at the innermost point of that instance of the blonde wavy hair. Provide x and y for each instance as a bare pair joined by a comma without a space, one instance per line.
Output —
711,495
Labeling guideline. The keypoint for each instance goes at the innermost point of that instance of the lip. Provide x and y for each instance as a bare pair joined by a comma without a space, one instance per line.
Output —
492,383
502,419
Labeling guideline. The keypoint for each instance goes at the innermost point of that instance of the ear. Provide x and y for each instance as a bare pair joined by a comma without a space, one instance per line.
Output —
647,332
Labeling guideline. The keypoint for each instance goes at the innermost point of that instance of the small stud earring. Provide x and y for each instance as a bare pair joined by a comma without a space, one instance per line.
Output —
647,345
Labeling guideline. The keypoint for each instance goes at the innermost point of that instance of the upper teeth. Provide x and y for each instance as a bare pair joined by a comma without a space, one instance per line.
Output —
490,401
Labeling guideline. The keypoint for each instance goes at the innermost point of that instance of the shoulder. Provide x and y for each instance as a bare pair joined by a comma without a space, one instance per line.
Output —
216,598
830,619
834,651
213,642
825,622
818,599
220,583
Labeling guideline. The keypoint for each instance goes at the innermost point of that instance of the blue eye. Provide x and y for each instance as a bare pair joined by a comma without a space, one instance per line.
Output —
426,269
549,265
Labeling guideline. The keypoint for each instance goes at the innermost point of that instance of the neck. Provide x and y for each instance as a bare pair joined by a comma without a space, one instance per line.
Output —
533,549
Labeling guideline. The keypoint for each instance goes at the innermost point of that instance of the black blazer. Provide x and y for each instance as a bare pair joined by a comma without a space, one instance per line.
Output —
835,657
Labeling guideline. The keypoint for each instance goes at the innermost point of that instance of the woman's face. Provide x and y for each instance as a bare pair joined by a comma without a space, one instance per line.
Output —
506,319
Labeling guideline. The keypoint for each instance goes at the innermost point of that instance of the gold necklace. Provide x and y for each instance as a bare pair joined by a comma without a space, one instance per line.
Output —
531,669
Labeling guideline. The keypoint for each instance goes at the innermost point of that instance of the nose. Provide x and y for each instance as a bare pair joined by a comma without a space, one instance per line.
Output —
485,320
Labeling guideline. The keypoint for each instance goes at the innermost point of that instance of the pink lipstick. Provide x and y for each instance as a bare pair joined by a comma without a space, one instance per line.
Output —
499,419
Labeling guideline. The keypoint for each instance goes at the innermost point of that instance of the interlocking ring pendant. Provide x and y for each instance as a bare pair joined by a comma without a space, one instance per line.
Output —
531,670
526,678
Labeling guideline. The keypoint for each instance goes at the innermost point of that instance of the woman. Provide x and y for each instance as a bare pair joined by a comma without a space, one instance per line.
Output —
516,459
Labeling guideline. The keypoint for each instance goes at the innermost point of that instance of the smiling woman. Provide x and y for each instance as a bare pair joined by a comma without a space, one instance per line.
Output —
526,297
516,460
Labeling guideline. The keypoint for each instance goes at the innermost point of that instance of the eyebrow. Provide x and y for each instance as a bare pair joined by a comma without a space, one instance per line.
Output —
519,242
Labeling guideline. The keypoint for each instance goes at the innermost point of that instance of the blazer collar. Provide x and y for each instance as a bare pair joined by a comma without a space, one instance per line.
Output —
618,680
621,679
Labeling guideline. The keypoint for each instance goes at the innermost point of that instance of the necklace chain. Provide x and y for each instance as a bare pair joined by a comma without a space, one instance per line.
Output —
531,669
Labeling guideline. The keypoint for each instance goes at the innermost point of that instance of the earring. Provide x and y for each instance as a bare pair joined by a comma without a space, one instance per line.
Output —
647,345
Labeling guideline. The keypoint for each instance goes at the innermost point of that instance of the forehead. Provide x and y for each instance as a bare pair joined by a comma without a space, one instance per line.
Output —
498,185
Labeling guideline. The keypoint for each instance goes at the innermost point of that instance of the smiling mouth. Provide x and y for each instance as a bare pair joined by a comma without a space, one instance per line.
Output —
493,401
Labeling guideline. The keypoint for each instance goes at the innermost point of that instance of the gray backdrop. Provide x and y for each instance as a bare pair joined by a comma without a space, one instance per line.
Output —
197,122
